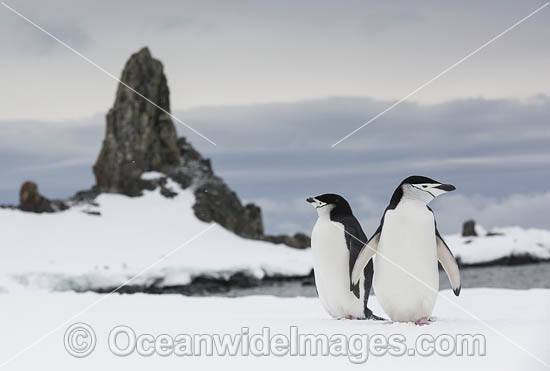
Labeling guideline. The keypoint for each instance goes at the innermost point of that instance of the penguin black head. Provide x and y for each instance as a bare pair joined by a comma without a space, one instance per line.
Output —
330,203
420,188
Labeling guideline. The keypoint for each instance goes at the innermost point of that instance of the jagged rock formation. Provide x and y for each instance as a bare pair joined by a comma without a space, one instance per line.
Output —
139,137
214,200
31,200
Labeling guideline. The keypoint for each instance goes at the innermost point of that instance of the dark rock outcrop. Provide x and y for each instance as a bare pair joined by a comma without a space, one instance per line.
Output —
214,200
206,285
298,241
86,196
469,229
31,200
139,136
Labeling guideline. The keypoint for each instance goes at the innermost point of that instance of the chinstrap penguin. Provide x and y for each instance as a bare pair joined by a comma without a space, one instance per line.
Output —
408,244
334,253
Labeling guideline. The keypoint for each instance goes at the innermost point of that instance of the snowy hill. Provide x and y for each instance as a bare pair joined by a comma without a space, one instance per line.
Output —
510,245
77,249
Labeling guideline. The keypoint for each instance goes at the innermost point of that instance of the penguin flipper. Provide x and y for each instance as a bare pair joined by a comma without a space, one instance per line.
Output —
365,255
355,240
448,262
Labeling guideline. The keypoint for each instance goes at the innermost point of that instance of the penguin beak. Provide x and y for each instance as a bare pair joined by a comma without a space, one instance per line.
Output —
315,203
441,189
446,187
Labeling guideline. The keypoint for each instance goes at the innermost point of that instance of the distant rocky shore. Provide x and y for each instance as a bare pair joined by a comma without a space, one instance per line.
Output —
205,285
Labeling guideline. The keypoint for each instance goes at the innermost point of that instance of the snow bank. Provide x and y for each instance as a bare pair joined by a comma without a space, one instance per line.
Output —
504,244
80,250
91,247
519,316
152,175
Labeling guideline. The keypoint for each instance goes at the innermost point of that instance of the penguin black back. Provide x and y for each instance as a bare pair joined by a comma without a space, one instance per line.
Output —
339,211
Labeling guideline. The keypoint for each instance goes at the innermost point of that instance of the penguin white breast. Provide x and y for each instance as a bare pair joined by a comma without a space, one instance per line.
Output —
331,269
406,279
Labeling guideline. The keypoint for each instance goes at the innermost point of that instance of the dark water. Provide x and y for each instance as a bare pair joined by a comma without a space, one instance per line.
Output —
521,277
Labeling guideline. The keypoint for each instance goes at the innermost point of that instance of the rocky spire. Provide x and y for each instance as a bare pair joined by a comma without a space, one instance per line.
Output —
139,137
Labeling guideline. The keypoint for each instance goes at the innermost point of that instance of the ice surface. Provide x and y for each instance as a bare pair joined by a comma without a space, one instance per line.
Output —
520,316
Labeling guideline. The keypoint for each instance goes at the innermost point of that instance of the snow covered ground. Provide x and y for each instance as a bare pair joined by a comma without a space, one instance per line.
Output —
508,242
521,317
78,250
46,256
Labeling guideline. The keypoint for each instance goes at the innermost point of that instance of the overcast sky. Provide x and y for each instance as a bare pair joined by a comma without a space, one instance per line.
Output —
274,84
239,52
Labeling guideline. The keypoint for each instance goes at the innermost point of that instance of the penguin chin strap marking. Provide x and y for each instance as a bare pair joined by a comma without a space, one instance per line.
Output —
429,193
425,190
320,207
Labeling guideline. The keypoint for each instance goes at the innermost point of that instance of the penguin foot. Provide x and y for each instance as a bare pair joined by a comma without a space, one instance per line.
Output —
349,316
374,317
422,321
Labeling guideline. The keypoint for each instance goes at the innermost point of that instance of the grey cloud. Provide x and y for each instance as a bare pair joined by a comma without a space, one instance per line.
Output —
21,39
526,210
292,140
277,154
316,124
385,15
66,139
222,52
58,156
495,148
